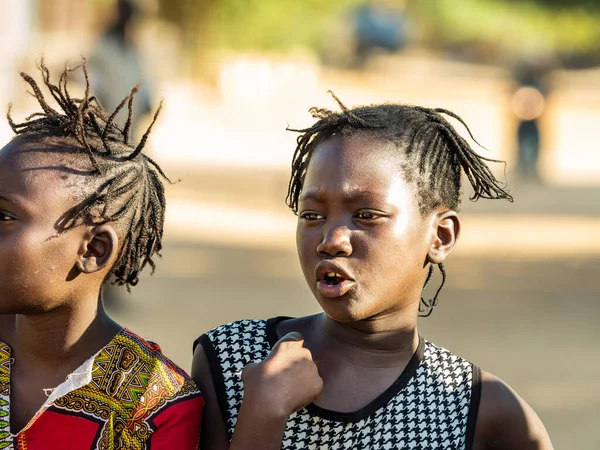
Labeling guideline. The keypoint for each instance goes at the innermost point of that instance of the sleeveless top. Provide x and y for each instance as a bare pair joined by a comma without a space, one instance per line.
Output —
432,405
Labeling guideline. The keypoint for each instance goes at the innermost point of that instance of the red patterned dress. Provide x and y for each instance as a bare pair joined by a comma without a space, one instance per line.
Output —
127,396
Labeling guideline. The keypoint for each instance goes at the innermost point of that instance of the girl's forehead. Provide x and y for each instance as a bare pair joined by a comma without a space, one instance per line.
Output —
44,154
356,156
35,170
358,147
356,167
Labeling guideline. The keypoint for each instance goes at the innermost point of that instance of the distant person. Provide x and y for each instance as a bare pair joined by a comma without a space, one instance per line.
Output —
15,33
115,65
378,26
79,202
376,190
528,104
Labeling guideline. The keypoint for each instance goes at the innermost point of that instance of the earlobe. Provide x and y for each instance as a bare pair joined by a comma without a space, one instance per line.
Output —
98,250
447,230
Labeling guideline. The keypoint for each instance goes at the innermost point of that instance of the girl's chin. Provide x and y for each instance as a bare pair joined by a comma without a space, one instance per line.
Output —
343,311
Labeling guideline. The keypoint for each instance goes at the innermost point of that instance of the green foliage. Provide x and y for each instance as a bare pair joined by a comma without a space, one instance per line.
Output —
589,5
103,2
276,24
518,26
510,25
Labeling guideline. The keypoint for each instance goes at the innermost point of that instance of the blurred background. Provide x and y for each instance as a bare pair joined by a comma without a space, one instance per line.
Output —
522,296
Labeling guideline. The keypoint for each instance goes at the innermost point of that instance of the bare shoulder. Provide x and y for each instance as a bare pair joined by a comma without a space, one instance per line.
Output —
301,325
214,432
506,421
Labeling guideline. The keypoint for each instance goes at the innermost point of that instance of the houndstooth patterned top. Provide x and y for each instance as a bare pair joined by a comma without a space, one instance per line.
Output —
432,405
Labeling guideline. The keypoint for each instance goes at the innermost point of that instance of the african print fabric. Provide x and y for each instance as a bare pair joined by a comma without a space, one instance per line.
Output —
136,398
432,405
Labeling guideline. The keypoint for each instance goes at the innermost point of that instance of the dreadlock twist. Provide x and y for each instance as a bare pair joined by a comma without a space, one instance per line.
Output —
128,189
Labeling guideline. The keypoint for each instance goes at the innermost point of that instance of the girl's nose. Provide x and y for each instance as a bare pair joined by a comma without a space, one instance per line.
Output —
336,242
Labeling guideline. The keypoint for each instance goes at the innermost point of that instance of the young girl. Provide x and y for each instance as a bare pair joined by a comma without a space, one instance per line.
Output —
376,190
79,204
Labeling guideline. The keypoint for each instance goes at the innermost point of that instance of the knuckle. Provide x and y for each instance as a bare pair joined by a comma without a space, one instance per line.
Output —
284,345
306,353
248,370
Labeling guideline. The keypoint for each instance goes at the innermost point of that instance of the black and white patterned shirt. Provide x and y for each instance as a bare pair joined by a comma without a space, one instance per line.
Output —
432,405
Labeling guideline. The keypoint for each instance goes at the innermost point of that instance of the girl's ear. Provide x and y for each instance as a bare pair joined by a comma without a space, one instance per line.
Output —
98,249
445,234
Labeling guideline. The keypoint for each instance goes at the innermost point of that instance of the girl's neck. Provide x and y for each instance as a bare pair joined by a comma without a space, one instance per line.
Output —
65,336
375,343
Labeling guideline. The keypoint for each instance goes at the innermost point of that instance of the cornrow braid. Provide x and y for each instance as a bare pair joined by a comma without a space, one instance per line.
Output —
434,153
128,187
434,156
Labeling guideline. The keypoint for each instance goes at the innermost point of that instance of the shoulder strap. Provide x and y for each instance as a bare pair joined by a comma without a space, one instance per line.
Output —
229,348
473,407
217,375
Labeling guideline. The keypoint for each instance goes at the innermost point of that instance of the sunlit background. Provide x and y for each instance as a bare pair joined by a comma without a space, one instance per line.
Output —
522,299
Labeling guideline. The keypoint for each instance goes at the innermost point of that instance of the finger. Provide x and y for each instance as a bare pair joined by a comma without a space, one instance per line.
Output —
247,369
317,388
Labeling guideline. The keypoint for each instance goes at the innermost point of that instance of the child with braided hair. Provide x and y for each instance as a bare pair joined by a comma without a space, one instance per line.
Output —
377,192
79,205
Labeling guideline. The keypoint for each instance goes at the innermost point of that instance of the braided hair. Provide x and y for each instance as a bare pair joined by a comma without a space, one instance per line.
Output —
433,156
126,185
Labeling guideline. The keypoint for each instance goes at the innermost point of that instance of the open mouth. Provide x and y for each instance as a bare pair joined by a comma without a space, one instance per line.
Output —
333,278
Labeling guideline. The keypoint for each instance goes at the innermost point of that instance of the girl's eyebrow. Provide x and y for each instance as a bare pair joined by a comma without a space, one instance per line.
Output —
350,195
7,199
362,194
312,194
15,201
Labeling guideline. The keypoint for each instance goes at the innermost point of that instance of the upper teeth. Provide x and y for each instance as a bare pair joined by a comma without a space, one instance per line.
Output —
332,274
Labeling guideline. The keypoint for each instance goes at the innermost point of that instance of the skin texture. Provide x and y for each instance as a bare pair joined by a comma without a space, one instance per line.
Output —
357,211
50,282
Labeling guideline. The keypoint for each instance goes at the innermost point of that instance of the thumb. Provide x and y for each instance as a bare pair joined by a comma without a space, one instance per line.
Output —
291,339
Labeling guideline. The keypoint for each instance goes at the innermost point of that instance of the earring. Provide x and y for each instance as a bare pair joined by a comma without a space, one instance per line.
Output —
426,306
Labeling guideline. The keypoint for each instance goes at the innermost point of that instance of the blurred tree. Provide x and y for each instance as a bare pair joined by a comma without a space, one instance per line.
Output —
478,28
518,28
590,5
248,25
255,24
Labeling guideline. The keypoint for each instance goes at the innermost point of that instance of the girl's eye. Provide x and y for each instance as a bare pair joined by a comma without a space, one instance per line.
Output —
310,216
4,217
366,215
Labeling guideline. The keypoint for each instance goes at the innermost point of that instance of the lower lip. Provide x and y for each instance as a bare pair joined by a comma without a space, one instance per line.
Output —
334,290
